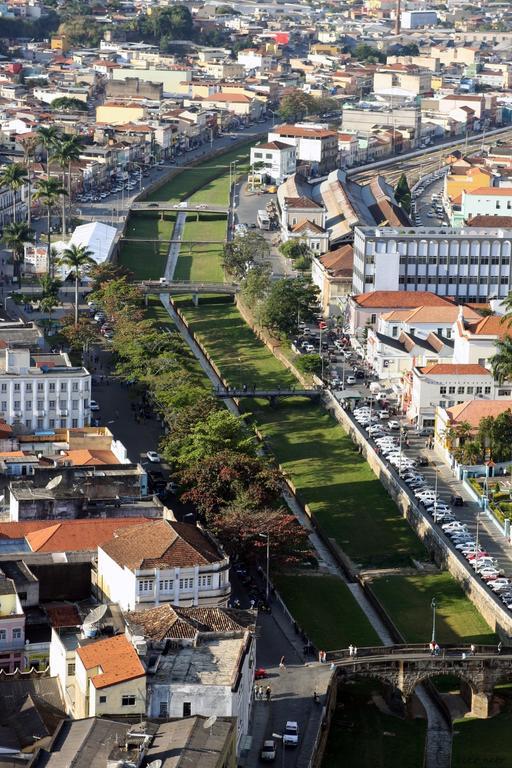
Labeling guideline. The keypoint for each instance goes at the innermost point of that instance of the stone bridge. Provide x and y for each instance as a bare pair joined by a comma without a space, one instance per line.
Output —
403,667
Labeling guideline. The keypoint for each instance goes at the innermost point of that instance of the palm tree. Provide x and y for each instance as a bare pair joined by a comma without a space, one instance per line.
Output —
502,360
14,177
30,144
49,286
47,304
66,150
79,259
48,135
48,192
15,236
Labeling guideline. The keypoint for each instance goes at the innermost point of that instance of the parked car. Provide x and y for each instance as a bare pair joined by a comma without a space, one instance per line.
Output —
393,424
351,379
260,673
153,457
93,405
456,501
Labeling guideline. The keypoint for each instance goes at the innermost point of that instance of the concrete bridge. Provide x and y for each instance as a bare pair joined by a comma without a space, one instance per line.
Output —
268,394
403,667
156,287
188,208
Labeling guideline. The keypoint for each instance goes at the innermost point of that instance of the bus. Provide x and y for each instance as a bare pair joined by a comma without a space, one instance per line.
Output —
263,219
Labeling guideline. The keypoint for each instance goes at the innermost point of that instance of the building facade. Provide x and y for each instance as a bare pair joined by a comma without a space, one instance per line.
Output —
469,264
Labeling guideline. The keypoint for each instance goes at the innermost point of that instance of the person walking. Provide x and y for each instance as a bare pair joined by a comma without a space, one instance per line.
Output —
500,646
256,691
351,650
354,653
260,692
281,663
268,693
473,649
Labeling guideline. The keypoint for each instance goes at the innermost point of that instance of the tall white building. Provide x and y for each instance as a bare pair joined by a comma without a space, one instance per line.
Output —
469,264
43,390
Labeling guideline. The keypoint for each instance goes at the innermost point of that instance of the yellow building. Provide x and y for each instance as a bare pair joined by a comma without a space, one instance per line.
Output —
59,43
109,679
464,177
119,113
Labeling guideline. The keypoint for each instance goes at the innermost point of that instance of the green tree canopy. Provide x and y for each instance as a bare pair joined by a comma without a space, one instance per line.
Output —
68,104
174,23
286,301
241,253
403,193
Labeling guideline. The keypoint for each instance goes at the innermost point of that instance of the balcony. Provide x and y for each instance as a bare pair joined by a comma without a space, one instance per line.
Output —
12,645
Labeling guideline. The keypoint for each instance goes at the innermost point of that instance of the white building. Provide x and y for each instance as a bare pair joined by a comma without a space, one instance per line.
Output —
43,391
470,264
163,562
475,341
97,237
251,58
208,663
275,159
415,19
316,145
486,201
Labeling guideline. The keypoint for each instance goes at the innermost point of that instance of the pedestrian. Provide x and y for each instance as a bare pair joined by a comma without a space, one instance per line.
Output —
351,650
432,648
463,656
260,692
500,646
281,663
355,651
333,666
256,691
252,603
268,692
473,649
321,657
437,649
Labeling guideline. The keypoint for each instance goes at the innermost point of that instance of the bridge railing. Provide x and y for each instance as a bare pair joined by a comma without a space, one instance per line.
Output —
384,651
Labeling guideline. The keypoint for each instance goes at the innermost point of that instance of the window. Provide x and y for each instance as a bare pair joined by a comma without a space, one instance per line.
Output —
74,405
163,711
487,391
3,634
51,387
40,405
4,387
16,405
166,585
40,387
16,633
205,581
28,387
128,700
442,390
146,585
187,583
28,405
51,423
63,386
4,405
478,390
16,386
451,390
373,319
63,423
469,390
103,699
71,668
74,386
460,390
394,331
40,423
442,403
51,405
74,423
187,709
62,405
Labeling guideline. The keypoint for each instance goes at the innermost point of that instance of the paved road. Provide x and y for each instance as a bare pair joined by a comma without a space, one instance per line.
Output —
174,248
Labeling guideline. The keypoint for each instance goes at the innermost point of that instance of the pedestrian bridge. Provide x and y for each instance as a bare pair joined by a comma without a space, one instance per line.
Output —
406,666
267,394
186,286
179,208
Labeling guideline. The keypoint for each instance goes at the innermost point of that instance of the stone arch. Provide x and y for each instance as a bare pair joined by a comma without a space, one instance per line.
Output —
423,677
388,678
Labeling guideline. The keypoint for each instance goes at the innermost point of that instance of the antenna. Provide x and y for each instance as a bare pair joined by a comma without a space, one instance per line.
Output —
210,723
57,480
95,615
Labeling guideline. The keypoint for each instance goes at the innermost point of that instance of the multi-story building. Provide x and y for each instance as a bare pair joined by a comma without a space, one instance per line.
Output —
12,626
364,120
316,146
332,274
43,390
403,80
469,264
486,201
275,159
163,562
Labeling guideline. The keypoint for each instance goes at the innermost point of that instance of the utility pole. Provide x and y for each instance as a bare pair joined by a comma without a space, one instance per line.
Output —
398,17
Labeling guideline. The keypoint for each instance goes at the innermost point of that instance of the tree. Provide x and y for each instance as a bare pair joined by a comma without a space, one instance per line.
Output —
66,151
67,104
107,272
14,177
403,193
81,30
48,136
30,144
49,286
220,431
295,249
116,295
501,362
47,304
256,284
15,236
226,477
241,253
48,192
309,363
79,335
173,23
286,301
365,52
78,258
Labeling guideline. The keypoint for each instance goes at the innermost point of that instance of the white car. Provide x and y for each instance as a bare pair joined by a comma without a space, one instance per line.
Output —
291,734
351,380
498,584
153,457
394,424
93,405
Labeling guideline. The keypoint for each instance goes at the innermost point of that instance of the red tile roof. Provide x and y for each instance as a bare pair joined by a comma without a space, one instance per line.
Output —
116,659
493,325
66,535
475,410
454,369
400,299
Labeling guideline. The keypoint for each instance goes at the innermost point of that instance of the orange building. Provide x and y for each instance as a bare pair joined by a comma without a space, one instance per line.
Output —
465,177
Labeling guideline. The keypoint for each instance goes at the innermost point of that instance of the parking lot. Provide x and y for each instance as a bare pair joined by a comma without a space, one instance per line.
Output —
432,485
427,209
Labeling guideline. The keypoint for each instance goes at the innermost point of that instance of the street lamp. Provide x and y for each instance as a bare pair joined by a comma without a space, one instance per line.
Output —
267,537
9,296
433,605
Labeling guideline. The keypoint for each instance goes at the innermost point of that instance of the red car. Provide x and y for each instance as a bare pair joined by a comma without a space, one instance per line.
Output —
260,673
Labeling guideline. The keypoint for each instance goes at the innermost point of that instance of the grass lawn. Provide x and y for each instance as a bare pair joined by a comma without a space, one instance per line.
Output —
325,609
362,736
339,486
408,598
211,176
202,261
147,260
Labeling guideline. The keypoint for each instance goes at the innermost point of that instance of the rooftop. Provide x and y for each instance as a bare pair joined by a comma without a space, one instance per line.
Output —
455,369
400,299
187,742
114,659
213,662
167,621
475,410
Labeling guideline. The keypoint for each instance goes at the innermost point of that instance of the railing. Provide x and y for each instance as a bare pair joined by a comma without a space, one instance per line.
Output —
418,650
